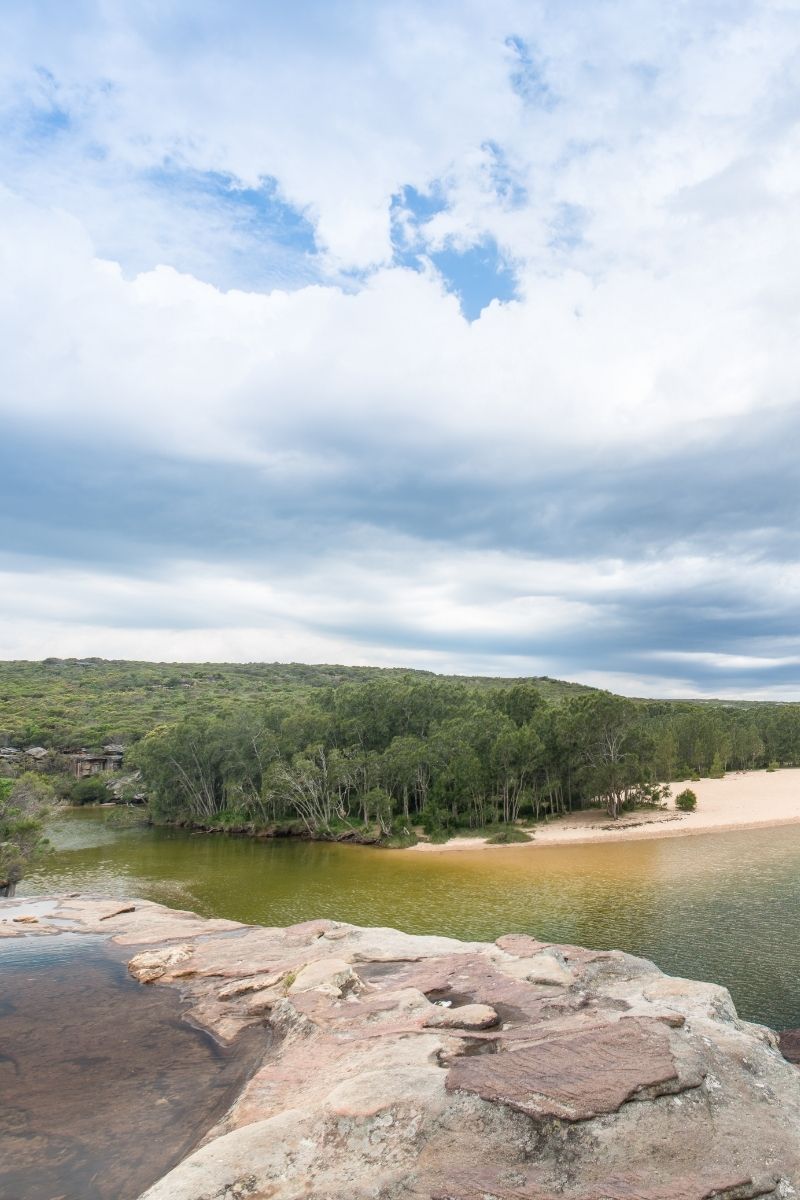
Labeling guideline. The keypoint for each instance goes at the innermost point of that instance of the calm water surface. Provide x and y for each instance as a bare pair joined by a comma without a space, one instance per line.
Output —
722,906
104,1087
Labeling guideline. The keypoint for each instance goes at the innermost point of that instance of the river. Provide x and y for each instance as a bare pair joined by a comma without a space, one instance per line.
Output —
722,906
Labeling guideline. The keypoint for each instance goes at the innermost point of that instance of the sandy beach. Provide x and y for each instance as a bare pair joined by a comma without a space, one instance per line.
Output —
742,800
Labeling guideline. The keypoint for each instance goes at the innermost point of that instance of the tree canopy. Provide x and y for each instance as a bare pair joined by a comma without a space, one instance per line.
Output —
392,753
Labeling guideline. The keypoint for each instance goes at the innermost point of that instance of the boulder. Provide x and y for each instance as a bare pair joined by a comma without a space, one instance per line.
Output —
465,1016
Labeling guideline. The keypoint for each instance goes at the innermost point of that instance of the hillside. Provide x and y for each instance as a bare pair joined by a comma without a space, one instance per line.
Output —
65,703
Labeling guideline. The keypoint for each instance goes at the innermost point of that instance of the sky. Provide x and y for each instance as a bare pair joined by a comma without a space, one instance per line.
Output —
444,335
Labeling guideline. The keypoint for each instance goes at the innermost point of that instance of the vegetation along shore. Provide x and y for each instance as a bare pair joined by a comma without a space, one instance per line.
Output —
394,757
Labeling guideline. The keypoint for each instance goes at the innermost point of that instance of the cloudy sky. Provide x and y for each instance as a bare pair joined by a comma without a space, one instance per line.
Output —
454,335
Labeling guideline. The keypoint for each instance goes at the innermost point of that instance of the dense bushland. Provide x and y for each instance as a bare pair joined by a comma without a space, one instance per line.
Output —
394,753
24,803
66,703
359,751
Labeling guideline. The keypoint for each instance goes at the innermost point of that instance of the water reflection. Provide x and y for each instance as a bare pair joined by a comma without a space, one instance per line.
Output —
717,906
104,1087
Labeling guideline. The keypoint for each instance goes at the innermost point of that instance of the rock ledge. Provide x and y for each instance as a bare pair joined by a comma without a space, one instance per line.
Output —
423,1067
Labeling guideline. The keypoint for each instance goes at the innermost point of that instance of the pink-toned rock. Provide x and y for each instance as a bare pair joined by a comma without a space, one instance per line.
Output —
374,1092
118,912
575,1074
331,975
522,945
256,983
465,1016
517,1185
542,968
381,1075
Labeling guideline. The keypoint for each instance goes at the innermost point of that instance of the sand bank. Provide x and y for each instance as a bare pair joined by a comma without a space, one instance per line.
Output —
742,800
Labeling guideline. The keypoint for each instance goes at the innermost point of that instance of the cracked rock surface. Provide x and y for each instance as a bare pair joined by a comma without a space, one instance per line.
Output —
424,1067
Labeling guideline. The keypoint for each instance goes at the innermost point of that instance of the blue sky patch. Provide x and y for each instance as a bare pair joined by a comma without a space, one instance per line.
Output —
410,210
259,239
38,118
262,212
507,184
567,227
477,276
527,76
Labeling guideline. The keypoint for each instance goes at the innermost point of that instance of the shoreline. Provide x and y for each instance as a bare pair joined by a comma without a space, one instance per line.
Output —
724,805
739,801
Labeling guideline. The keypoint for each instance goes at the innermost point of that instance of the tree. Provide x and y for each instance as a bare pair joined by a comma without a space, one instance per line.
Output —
311,787
609,731
515,761
24,803
183,768
717,768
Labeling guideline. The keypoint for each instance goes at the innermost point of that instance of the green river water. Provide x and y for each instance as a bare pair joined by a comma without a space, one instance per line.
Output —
722,906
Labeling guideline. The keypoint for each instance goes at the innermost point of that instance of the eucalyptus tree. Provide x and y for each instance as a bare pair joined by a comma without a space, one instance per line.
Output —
184,765
24,803
516,758
614,747
312,787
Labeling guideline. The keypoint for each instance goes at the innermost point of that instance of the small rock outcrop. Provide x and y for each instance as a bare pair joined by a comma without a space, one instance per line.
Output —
423,1067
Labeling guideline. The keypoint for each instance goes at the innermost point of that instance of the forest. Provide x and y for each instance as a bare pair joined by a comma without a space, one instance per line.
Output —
377,754
383,759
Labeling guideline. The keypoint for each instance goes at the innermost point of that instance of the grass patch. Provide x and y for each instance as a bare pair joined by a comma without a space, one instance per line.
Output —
507,835
400,841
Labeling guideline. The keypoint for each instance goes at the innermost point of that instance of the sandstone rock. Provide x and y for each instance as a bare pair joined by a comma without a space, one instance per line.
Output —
466,1016
601,1078
256,983
150,965
522,945
333,976
118,912
517,1185
689,996
574,1074
789,1043
542,968
373,1092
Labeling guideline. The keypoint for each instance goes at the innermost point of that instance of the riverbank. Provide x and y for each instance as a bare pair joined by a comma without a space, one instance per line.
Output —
437,1069
741,800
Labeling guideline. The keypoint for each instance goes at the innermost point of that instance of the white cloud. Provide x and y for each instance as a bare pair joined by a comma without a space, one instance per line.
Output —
388,601
651,224
184,368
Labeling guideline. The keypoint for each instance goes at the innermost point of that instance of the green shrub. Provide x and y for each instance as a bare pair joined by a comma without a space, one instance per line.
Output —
437,820
686,800
91,790
717,770
439,836
647,795
508,834
773,766
400,841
